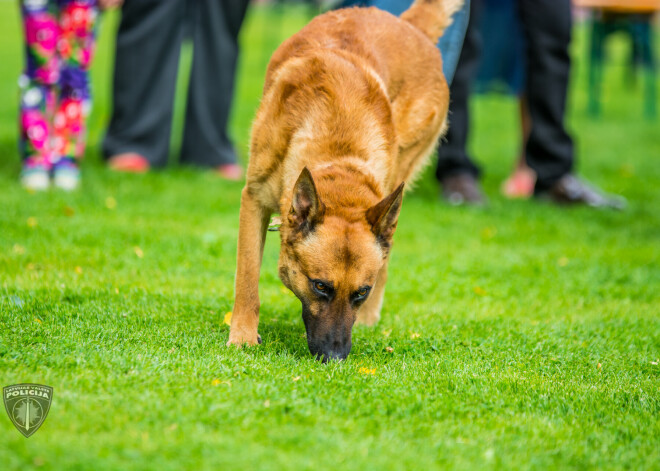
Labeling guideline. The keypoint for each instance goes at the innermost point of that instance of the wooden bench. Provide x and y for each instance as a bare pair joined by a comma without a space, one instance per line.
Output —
637,6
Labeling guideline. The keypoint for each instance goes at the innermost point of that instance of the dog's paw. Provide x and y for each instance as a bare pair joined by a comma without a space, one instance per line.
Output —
240,338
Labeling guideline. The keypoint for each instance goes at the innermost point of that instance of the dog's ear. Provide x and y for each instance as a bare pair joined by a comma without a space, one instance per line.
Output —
384,216
307,209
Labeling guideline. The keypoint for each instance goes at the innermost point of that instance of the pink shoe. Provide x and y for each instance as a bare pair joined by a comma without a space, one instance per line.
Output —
520,184
130,162
233,172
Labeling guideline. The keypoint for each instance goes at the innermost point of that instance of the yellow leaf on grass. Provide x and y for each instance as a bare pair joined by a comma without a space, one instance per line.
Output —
563,261
216,382
367,371
32,222
18,249
138,252
228,318
110,203
479,291
78,270
488,233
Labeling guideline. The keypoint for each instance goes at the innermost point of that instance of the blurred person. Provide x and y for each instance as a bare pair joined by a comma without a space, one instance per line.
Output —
502,69
549,150
492,60
54,89
148,47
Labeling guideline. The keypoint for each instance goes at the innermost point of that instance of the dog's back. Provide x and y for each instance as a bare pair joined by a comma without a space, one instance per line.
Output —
387,71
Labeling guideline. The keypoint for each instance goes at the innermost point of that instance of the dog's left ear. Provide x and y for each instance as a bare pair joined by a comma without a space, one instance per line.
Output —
384,216
307,209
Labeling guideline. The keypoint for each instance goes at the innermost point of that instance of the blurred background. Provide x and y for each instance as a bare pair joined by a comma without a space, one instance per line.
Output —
613,94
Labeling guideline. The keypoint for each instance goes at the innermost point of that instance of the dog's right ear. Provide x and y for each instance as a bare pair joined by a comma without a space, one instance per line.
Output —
307,209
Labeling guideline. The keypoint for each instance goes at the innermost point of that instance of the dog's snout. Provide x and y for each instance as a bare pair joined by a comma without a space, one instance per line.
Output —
328,334
325,355
329,346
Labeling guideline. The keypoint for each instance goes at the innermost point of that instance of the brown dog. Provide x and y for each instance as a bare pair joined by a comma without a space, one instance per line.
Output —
352,107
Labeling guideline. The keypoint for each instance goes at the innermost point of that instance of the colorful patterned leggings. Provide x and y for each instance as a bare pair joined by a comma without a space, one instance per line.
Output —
55,99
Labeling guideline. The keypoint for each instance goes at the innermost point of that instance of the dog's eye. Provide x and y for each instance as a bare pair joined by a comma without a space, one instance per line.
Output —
321,288
361,293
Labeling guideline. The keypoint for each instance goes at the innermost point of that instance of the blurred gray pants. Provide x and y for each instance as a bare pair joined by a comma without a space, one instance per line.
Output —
147,61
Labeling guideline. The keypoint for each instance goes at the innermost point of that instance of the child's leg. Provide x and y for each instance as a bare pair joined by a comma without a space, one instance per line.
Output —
77,22
37,83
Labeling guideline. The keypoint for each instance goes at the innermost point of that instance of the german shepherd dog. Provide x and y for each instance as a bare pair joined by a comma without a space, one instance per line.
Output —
353,106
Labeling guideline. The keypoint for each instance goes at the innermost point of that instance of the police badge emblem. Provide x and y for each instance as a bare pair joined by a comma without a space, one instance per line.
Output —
27,405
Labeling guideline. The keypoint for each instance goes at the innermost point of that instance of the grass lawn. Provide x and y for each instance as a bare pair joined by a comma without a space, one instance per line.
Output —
524,336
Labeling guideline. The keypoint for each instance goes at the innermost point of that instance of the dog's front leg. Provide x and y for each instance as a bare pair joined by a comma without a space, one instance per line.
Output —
369,312
252,226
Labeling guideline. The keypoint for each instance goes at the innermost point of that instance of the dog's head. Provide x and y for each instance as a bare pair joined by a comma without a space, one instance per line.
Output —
330,259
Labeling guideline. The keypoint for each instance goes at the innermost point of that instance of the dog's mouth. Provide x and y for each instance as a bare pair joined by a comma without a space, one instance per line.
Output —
326,341
325,354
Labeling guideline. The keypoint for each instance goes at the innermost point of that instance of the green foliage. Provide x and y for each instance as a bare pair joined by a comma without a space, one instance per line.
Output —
522,336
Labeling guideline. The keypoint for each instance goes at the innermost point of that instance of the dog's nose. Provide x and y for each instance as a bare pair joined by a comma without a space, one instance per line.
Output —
331,355
327,340
334,351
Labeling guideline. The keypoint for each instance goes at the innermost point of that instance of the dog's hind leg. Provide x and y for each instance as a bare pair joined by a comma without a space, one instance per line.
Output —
369,313
253,223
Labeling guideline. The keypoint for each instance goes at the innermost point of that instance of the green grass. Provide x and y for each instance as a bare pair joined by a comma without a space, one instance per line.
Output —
524,336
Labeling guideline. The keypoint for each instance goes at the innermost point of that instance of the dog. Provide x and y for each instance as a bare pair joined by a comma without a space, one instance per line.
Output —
352,108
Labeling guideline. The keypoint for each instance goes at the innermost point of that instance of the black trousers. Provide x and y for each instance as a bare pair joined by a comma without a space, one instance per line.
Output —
148,47
549,150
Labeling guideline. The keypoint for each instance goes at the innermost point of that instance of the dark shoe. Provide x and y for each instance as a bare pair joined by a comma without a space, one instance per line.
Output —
571,190
462,189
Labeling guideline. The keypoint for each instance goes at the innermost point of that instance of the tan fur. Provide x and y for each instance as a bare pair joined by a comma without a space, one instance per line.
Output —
358,98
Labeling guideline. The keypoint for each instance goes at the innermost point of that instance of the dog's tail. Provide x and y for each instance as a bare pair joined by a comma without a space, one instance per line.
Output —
432,17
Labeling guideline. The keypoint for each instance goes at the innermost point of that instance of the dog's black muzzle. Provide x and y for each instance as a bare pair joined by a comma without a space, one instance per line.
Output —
327,339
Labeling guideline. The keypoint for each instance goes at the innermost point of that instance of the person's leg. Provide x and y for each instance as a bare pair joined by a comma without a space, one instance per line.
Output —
37,83
215,28
550,153
547,28
521,182
77,22
451,43
146,65
452,154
